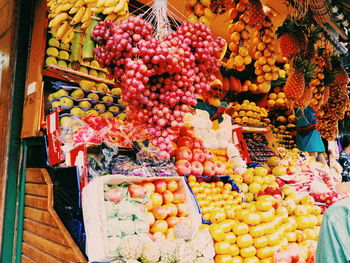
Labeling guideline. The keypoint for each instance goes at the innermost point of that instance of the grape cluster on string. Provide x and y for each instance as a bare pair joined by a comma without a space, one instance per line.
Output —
160,79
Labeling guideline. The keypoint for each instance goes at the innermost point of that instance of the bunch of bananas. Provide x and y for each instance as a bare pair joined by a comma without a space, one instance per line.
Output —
64,14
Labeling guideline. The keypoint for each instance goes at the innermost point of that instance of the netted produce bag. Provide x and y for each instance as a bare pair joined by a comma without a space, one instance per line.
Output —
161,71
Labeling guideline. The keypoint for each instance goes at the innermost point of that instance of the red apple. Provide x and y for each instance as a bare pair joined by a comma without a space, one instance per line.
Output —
198,143
160,212
172,185
197,168
115,195
168,197
198,155
136,191
179,197
160,186
220,167
184,141
149,187
182,210
183,167
183,153
209,168
209,156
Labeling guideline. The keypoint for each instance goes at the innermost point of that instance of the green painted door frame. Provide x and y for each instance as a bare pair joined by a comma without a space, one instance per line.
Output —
17,148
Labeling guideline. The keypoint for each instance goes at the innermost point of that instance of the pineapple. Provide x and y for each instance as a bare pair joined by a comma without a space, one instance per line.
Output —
295,85
341,77
306,98
256,13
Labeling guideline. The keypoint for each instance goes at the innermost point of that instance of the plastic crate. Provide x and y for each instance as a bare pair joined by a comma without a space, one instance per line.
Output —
211,178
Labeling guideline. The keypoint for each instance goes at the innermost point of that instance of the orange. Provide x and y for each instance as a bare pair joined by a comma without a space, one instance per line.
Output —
236,36
222,248
260,242
244,240
240,228
216,232
239,61
234,250
264,252
261,46
247,60
191,179
223,259
247,251
262,60
230,237
245,34
239,26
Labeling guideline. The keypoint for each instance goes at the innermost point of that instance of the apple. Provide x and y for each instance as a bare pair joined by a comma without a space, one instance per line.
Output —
172,209
157,199
183,167
168,197
183,153
209,156
160,212
171,185
136,191
208,168
115,195
220,167
184,141
160,186
182,210
173,221
196,168
149,187
198,143
179,197
198,155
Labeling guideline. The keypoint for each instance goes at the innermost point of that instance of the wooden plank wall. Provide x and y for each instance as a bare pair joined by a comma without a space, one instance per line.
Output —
45,239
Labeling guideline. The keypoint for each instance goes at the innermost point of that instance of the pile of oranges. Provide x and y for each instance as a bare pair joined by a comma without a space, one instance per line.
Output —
217,200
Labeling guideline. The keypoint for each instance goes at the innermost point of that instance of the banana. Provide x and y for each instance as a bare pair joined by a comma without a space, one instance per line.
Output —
108,10
86,15
73,10
79,3
90,1
109,3
120,6
97,10
100,3
58,19
66,7
112,16
62,29
68,36
78,16
86,24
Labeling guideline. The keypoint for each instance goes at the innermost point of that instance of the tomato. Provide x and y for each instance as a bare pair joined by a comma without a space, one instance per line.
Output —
223,259
251,260
216,232
240,228
226,226
222,248
234,250
245,240
260,242
217,217
273,239
247,251
264,252
230,237
237,259
252,219
256,231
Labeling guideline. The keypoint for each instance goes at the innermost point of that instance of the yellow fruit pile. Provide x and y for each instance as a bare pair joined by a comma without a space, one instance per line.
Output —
277,99
199,11
239,31
249,113
215,199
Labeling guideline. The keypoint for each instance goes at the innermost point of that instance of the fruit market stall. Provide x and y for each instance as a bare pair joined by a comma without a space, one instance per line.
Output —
153,176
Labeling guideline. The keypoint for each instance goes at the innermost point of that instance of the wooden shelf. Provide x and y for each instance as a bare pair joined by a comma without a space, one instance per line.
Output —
66,74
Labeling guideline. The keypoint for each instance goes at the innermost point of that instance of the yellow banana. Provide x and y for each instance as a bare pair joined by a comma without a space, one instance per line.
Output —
58,19
97,10
108,10
79,3
73,10
62,29
68,36
112,16
66,7
78,16
109,3
86,24
86,15
120,6
90,1
100,3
